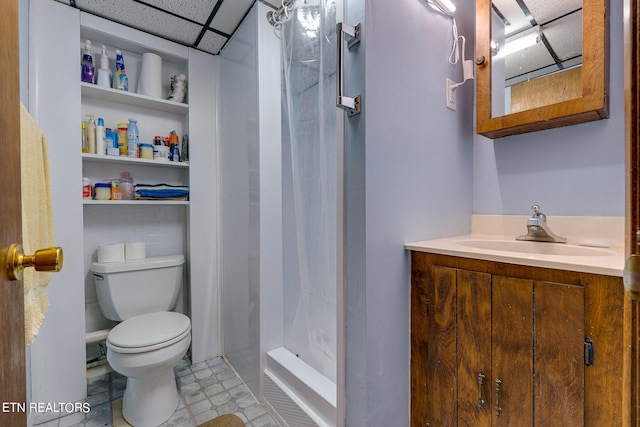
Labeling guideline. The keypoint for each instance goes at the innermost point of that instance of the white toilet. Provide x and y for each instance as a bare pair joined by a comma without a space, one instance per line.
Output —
150,340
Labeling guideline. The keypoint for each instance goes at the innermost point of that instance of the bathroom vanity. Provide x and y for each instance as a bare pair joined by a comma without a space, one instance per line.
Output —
500,337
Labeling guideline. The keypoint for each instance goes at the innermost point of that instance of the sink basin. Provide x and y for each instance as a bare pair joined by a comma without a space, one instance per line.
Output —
537,248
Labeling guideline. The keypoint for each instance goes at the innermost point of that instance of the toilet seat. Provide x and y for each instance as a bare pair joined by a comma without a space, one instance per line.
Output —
148,332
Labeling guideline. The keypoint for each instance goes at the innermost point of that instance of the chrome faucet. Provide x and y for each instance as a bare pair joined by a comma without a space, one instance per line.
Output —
538,230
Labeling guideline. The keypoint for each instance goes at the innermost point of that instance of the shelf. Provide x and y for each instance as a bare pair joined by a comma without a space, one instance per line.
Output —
133,99
99,158
135,202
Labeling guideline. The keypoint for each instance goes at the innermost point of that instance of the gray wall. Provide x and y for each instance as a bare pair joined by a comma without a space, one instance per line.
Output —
576,170
418,175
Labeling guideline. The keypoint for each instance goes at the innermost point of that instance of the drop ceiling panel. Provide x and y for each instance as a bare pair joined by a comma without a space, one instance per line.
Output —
212,42
230,15
144,18
565,36
183,22
195,10
544,10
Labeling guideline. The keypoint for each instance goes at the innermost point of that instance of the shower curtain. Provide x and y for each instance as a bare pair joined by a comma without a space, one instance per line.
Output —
309,183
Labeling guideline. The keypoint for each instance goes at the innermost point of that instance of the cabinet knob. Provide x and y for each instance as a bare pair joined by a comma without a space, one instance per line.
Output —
480,60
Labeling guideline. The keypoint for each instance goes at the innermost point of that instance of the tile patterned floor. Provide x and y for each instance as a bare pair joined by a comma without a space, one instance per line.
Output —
207,389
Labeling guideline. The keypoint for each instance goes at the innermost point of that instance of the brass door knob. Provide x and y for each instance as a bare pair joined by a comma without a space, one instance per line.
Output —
49,259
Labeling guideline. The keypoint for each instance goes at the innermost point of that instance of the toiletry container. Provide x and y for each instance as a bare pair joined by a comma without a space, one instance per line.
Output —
91,134
122,138
120,80
126,186
100,137
87,68
103,191
161,153
85,142
86,189
104,73
146,151
133,138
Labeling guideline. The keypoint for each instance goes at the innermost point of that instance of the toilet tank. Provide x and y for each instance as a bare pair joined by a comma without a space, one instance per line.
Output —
129,288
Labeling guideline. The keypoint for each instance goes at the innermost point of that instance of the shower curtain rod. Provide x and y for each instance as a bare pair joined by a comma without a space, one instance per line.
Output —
273,16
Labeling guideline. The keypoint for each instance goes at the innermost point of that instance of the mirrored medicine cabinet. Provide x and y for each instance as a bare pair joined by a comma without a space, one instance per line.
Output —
540,64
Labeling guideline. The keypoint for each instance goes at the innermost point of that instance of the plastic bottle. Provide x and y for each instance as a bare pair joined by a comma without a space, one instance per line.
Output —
174,140
100,137
126,186
122,138
88,71
86,188
120,80
91,134
85,142
133,138
104,73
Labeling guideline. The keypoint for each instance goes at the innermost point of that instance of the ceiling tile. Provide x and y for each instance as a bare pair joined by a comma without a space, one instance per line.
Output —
212,42
144,18
195,10
565,36
544,11
230,14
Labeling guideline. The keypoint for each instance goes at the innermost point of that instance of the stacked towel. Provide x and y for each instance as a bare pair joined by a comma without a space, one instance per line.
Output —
161,192
37,218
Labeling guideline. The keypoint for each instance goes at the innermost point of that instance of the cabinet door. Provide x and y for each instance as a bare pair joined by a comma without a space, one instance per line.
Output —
474,349
559,322
512,351
433,347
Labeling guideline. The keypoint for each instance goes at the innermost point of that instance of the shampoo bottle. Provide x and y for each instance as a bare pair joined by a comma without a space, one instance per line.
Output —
88,71
100,137
91,135
120,80
104,73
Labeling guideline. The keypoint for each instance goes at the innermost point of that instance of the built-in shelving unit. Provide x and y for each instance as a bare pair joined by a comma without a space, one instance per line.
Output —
132,161
89,90
134,202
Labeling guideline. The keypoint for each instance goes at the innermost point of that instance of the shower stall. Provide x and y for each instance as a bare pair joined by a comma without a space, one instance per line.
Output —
282,207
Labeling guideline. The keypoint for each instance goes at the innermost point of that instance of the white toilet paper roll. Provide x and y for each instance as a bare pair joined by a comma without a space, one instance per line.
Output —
112,252
135,250
150,82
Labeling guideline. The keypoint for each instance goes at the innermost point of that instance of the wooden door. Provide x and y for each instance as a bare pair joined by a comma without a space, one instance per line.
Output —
512,351
12,345
433,345
475,397
632,216
559,365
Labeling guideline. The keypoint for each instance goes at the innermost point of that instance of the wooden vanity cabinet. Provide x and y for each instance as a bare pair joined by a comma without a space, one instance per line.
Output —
496,344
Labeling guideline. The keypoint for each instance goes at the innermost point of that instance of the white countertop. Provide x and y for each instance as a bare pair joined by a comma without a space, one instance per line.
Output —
598,254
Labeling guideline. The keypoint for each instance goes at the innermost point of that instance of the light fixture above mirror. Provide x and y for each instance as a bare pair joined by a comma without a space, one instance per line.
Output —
443,6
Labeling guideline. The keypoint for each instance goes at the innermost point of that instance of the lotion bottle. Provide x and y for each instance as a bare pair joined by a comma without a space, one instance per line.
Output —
100,137
91,135
104,73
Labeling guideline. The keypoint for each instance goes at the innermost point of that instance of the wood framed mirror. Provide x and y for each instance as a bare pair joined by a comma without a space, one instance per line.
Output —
569,87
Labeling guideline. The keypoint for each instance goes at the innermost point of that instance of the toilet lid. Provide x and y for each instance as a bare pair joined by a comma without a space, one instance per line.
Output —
149,330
